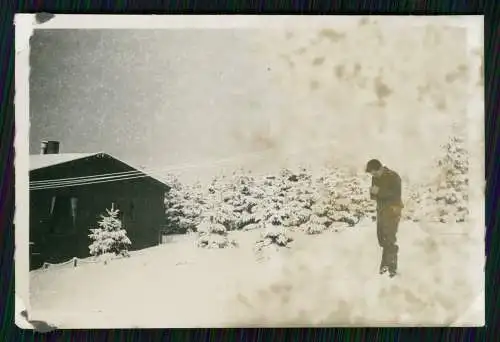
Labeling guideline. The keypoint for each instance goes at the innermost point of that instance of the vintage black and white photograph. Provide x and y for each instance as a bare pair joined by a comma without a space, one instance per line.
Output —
246,171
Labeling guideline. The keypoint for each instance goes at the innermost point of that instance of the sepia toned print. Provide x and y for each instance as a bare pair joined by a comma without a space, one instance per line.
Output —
254,172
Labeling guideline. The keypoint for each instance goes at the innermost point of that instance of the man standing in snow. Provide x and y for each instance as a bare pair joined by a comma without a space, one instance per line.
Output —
386,190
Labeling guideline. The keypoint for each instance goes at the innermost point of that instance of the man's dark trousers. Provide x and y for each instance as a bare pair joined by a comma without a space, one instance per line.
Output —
388,217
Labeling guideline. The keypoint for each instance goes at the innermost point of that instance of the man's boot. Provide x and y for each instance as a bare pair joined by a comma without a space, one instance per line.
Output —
383,269
393,261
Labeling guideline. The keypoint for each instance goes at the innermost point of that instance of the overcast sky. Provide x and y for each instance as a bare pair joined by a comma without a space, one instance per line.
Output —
169,97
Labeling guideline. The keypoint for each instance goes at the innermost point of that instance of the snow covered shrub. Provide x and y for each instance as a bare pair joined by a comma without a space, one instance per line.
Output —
184,205
273,235
211,232
239,195
231,201
218,209
347,197
445,199
285,199
302,195
109,237
300,201
174,206
316,225
269,196
273,212
452,192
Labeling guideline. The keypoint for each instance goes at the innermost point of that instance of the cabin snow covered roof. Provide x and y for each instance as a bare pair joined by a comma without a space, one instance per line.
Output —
40,161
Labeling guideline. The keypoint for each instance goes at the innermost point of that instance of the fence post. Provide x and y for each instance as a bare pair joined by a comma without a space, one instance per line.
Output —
75,261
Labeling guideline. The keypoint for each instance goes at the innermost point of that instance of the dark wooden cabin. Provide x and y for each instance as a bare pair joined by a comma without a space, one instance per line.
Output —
61,214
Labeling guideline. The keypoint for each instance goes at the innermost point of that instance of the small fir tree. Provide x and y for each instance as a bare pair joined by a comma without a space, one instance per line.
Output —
445,198
109,237
184,205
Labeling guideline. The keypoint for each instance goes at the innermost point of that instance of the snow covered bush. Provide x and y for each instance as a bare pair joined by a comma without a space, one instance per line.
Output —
265,202
109,237
273,235
445,198
285,199
244,200
173,206
275,210
232,201
184,205
347,199
223,202
316,225
301,196
295,200
452,194
212,232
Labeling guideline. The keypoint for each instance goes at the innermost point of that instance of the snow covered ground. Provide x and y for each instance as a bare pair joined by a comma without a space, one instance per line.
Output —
329,279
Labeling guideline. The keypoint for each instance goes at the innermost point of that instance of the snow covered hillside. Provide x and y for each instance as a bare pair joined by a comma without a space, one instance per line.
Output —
327,279
220,273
